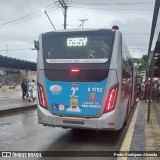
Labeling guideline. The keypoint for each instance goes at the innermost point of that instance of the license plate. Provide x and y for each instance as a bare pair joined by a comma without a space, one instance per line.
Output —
73,121
74,102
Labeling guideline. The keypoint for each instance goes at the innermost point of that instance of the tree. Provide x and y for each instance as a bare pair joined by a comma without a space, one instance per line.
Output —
145,58
141,64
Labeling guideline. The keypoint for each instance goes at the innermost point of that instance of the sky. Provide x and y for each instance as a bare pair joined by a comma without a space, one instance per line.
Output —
21,22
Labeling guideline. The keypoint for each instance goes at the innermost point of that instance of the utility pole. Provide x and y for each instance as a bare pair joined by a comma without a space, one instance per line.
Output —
83,20
65,7
7,50
79,26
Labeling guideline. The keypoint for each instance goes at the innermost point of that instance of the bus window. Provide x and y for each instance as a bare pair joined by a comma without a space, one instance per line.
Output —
78,47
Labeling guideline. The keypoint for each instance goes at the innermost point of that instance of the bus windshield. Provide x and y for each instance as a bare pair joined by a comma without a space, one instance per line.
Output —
77,48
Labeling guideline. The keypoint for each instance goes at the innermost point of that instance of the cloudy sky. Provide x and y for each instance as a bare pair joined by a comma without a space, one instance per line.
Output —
21,22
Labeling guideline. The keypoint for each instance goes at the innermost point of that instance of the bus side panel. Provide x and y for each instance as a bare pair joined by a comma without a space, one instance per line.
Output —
115,76
121,62
127,79
42,118
40,63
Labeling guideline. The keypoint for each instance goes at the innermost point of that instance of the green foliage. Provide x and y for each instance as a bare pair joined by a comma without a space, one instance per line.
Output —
141,63
145,58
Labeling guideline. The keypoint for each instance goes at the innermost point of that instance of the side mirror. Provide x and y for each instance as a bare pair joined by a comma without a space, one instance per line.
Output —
36,45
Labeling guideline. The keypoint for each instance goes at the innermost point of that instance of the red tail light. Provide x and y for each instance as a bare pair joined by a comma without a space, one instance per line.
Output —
42,97
75,70
111,99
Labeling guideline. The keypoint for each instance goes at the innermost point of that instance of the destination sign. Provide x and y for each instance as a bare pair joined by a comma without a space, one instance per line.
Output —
79,41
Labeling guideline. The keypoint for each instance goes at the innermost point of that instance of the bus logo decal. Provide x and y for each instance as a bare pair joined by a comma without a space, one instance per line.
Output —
74,102
61,107
92,97
74,89
55,89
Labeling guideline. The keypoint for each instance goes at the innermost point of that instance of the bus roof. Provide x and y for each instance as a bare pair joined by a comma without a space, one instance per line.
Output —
68,31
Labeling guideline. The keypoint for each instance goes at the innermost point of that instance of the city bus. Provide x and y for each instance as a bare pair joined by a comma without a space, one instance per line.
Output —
85,79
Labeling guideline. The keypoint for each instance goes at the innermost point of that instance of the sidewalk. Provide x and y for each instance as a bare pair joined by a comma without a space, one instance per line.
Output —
152,129
12,102
5,89
146,135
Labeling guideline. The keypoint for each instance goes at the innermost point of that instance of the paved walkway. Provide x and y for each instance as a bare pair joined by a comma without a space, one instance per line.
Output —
152,129
12,101
146,135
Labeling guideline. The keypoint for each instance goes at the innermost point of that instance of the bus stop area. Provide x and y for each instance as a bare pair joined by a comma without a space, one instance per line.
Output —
146,135
11,101
141,135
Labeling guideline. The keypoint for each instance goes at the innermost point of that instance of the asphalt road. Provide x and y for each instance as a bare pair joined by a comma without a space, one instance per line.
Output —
21,132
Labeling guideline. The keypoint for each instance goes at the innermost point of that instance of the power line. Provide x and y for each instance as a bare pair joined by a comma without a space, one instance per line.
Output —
23,17
121,9
134,25
136,33
113,4
20,44
21,49
52,7
28,16
27,19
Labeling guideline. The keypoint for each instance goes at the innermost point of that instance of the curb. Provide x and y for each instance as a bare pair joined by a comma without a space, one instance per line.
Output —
17,109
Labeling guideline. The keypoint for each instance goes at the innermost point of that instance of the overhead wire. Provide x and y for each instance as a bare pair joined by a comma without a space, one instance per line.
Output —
24,43
26,19
20,49
30,16
117,9
136,33
53,7
112,4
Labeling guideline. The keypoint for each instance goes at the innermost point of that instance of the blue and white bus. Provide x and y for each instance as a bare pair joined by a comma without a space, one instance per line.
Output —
85,79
